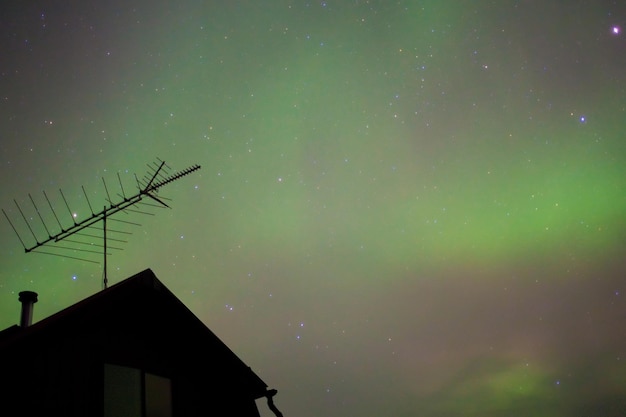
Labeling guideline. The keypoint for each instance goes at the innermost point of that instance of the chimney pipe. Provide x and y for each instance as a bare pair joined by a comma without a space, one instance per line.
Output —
28,299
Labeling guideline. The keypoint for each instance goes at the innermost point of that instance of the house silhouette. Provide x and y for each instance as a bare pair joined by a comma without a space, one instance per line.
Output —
133,349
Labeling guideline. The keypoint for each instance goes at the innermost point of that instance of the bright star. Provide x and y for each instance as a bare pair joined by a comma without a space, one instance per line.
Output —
615,30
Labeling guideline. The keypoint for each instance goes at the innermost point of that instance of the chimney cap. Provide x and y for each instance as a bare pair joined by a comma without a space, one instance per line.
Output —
28,296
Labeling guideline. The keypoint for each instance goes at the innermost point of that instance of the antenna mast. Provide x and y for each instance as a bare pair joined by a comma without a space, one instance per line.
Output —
147,188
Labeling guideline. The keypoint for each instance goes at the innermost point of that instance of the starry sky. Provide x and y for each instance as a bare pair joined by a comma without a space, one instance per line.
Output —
405,208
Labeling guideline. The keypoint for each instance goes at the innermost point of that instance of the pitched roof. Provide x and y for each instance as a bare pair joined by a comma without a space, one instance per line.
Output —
140,307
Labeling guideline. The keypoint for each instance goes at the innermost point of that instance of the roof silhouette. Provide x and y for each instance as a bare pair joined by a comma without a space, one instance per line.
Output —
137,322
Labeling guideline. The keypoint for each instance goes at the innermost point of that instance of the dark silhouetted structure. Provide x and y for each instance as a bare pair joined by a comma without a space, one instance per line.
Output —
133,349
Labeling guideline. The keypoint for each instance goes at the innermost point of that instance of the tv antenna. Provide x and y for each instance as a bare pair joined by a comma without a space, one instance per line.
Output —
56,240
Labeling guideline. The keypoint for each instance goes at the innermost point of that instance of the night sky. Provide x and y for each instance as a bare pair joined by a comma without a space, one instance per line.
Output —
405,208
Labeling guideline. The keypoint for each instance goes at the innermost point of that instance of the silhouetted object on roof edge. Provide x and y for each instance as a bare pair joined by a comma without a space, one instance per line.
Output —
270,402
131,349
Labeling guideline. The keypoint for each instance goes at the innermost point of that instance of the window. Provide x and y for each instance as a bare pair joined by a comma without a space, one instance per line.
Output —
158,392
131,392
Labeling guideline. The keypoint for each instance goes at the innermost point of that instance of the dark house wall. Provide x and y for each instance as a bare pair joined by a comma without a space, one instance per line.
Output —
65,377
51,378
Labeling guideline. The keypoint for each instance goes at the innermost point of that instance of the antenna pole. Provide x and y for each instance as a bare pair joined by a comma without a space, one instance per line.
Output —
105,280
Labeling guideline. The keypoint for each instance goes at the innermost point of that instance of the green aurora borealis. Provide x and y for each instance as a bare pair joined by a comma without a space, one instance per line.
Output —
405,208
